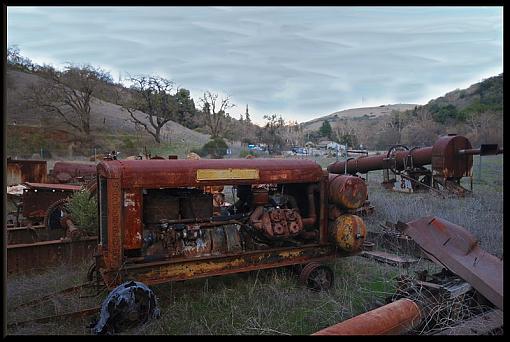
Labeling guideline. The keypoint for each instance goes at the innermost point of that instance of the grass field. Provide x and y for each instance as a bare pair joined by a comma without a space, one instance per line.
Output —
272,301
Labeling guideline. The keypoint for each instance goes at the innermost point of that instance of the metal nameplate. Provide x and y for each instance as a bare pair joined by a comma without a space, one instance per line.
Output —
226,174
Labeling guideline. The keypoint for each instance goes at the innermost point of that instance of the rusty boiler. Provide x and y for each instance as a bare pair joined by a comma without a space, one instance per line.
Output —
166,220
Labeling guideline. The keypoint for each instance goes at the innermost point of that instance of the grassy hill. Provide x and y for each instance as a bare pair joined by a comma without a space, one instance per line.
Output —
355,113
31,129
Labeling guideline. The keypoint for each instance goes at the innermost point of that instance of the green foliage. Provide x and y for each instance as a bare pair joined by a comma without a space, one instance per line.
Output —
216,148
83,211
245,153
326,129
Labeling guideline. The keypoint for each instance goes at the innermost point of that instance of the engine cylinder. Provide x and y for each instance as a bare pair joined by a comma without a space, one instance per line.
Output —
348,232
349,192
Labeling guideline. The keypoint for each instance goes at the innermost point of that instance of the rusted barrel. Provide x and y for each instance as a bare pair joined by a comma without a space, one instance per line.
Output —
391,319
349,192
348,232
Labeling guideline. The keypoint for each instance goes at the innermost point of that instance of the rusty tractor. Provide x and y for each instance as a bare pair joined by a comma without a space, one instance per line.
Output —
166,220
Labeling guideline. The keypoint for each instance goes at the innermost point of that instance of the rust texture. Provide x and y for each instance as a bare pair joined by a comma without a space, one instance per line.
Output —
391,319
451,157
31,234
183,173
37,198
21,171
190,268
421,156
41,255
453,247
347,191
445,159
69,172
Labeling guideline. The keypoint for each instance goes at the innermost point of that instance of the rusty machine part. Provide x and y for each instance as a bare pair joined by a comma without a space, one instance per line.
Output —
450,158
69,172
453,247
391,319
157,224
38,197
21,171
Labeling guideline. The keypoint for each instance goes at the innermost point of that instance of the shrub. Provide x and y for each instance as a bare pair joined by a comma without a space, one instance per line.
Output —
216,148
83,211
245,153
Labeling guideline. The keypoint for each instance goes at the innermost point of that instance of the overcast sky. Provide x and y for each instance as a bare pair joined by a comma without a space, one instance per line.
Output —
300,62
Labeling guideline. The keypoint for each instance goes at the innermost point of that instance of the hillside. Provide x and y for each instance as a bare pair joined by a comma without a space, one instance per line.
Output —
105,116
364,112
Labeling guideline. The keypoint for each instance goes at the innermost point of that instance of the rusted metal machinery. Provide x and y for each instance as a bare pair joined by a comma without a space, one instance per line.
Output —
451,158
72,172
469,287
21,171
157,223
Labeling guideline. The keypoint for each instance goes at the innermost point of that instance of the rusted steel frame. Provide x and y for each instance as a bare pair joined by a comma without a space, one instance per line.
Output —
323,210
74,169
190,268
67,315
453,247
183,173
391,319
39,255
423,184
37,201
52,186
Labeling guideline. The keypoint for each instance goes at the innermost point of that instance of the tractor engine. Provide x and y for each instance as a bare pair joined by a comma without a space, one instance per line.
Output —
163,220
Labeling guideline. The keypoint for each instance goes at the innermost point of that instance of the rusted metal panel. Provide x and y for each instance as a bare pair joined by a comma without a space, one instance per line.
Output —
20,171
183,173
65,172
132,220
190,268
37,201
114,248
391,319
52,186
453,247
22,235
40,255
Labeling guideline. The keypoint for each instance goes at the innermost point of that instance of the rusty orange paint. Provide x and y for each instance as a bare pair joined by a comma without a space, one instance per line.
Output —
391,319
349,192
132,222
348,232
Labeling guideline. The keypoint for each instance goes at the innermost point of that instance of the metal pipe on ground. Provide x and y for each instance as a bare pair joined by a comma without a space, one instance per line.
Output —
392,319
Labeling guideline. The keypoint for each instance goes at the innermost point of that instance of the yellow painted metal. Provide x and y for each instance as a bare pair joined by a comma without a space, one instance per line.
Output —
348,232
226,174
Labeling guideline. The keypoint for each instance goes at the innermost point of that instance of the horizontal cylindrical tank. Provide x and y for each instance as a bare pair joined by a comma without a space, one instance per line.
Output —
348,232
391,319
349,192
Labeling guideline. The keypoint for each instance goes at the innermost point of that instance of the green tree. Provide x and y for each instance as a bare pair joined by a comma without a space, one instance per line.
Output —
326,129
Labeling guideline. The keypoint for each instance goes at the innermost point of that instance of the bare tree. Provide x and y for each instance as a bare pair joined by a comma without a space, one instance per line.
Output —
70,93
216,119
151,96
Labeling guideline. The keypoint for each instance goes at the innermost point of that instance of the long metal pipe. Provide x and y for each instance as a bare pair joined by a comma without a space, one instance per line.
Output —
477,151
420,156
392,319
